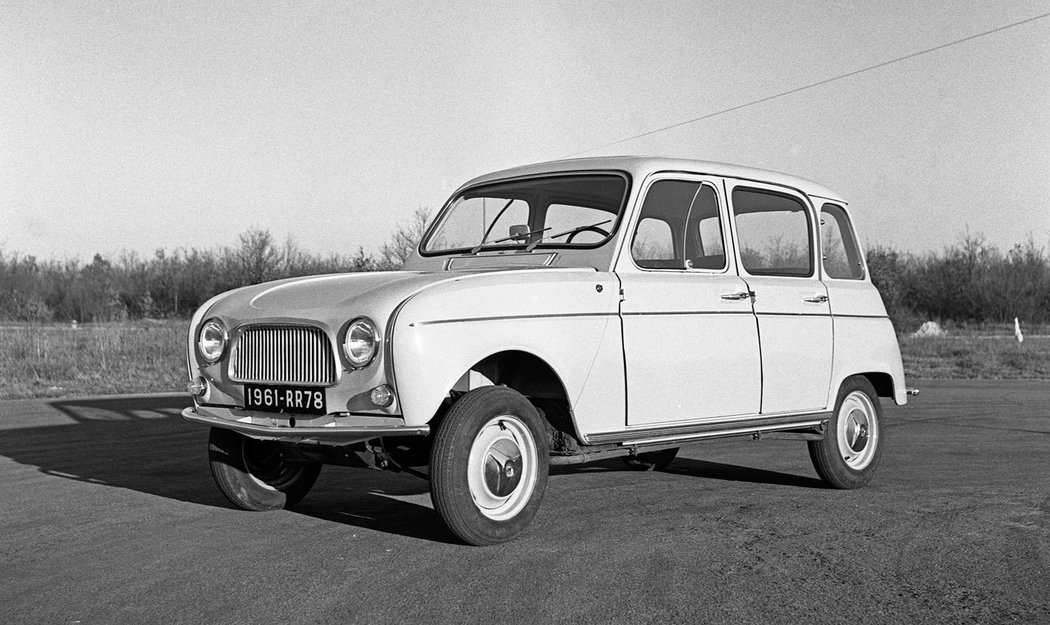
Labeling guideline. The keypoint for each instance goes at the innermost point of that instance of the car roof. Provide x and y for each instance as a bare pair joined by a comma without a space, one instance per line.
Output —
641,166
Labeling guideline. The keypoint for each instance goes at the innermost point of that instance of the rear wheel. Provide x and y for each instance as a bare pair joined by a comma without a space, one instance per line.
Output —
651,460
852,446
254,475
488,465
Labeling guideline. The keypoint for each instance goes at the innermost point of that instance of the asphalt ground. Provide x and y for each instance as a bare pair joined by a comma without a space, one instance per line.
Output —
109,515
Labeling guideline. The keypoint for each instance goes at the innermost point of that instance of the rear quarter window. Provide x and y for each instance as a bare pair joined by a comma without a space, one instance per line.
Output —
839,250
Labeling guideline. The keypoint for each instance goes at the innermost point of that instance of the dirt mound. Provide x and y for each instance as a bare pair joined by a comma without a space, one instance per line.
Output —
930,328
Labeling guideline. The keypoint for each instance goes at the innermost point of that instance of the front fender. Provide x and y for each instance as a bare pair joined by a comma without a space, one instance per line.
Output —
568,319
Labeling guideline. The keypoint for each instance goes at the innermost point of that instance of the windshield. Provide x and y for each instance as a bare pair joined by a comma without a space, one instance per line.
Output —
557,211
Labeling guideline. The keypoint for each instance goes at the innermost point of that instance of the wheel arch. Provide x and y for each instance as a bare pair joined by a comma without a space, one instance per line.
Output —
524,372
516,367
881,381
537,380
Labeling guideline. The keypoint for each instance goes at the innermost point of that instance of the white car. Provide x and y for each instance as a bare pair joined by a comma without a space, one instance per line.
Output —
557,313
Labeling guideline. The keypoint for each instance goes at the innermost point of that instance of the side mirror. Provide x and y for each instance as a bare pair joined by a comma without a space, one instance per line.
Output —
519,232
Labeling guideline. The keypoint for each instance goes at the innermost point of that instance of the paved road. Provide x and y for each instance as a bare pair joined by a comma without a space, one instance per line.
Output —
109,515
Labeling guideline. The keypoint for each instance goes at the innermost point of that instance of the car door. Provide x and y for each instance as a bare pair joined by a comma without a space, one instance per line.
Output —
775,234
690,336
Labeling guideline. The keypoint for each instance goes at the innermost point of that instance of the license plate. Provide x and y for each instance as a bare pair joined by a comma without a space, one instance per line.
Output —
290,399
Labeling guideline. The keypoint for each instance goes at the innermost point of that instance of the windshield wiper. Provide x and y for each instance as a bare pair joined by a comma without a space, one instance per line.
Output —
533,245
484,237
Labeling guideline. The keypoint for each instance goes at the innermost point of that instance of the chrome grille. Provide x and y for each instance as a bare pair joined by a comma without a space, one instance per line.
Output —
282,355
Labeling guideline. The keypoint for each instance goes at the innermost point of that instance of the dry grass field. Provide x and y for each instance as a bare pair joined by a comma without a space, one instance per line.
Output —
56,360
976,356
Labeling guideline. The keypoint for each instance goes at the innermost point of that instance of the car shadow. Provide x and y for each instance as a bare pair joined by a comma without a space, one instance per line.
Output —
736,473
138,443
143,444
704,469
376,500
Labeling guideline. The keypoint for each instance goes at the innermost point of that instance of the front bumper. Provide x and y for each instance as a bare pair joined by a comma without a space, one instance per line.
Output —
340,429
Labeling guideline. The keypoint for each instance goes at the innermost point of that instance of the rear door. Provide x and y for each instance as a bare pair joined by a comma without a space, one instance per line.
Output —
775,231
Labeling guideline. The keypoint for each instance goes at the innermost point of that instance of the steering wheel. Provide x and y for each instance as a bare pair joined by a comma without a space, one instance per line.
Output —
587,229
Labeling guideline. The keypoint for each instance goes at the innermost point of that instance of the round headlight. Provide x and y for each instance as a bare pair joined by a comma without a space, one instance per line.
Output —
212,340
360,342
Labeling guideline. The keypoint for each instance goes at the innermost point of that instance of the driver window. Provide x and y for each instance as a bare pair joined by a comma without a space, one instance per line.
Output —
679,228
653,241
704,246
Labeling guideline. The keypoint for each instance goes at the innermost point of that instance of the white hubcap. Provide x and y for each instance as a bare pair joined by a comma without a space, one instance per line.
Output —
501,468
858,430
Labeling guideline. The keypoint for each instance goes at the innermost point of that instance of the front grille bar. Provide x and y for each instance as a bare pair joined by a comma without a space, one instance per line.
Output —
281,354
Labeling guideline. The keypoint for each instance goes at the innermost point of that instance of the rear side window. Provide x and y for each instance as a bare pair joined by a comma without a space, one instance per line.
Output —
774,233
838,245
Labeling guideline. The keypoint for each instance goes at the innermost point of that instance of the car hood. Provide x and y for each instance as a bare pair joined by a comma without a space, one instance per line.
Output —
320,296
334,299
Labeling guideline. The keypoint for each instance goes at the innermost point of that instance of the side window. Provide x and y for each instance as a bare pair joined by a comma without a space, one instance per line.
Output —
838,245
704,246
773,230
679,228
653,241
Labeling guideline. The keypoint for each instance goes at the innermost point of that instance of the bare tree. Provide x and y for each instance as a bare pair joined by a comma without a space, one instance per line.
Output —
403,242
258,259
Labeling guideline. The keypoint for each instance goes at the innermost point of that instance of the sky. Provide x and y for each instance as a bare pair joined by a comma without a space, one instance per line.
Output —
133,126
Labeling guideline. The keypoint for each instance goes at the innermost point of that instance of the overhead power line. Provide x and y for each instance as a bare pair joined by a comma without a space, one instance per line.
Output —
812,85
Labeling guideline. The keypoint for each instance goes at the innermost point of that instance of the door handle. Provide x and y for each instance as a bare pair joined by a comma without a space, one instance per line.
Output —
816,299
740,295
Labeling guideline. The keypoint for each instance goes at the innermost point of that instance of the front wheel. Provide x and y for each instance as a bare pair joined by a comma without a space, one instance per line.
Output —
254,475
852,446
488,465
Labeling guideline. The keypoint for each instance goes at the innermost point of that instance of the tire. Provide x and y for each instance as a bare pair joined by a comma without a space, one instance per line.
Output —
651,460
488,465
254,476
849,454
